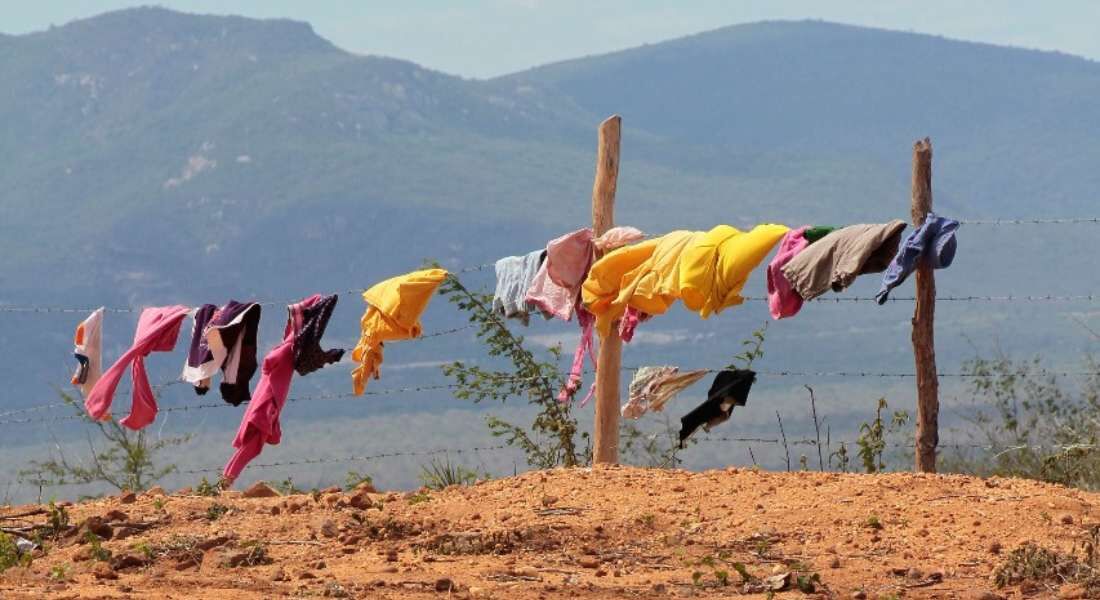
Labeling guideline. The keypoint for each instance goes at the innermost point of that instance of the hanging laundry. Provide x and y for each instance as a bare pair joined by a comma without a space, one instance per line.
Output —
631,319
224,339
934,241
716,265
556,287
837,259
260,424
515,274
812,234
652,387
88,350
644,275
393,313
730,388
157,330
783,301
308,354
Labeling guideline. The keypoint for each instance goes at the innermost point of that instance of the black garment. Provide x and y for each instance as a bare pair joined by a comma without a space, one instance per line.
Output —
236,324
308,355
730,388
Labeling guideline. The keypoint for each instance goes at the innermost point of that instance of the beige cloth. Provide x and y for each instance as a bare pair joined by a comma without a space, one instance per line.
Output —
835,260
652,388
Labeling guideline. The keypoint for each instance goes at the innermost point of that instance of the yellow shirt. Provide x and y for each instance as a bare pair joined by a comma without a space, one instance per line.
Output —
644,276
393,313
714,269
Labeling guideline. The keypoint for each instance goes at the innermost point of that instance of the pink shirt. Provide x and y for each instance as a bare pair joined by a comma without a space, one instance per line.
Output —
782,299
157,330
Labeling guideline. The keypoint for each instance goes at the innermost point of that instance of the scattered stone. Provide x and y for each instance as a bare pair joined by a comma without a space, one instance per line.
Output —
319,565
859,595
678,488
116,515
184,491
349,550
156,490
125,589
213,542
778,583
335,489
128,561
834,563
444,585
589,562
328,529
995,547
104,571
279,575
1073,591
391,556
188,562
127,497
260,490
97,526
275,510
1066,519
390,569
306,575
601,572
914,573
124,532
351,540
360,501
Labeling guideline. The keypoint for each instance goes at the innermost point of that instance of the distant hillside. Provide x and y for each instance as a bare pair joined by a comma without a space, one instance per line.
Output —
155,157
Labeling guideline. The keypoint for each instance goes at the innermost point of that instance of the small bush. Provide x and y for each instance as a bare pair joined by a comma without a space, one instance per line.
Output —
439,474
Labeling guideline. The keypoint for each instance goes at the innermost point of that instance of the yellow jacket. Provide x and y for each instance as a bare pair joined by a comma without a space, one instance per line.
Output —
714,268
393,313
645,276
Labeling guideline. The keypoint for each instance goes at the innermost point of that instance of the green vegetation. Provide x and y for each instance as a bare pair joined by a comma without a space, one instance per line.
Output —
873,437
126,460
551,439
442,473
216,511
355,479
205,488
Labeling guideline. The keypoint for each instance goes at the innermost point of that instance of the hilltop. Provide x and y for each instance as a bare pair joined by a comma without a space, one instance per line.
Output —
581,533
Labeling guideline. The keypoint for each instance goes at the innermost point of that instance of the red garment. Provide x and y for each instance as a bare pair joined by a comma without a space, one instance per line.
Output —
157,330
260,424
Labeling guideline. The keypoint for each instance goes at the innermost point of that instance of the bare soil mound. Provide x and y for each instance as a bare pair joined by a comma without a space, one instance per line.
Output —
582,533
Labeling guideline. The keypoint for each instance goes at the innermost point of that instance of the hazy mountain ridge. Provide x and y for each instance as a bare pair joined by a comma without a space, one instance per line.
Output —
158,157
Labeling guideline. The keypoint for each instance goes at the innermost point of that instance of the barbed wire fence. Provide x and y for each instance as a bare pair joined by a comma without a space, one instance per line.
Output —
748,441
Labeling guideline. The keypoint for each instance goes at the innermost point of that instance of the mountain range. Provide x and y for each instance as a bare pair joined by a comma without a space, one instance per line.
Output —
154,157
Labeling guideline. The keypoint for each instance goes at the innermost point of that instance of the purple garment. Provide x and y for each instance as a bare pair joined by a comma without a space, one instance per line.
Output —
933,241
232,330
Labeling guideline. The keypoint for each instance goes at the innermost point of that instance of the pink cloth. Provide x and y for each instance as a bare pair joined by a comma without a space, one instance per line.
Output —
585,346
556,291
157,330
631,319
260,424
783,300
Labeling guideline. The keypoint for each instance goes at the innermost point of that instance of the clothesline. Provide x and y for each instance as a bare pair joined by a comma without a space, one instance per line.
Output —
876,374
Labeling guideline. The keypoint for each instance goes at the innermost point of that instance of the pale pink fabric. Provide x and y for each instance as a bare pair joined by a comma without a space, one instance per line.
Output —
585,346
617,237
260,424
157,330
783,300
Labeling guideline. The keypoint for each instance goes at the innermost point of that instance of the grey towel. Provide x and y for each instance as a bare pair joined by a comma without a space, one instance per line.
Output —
837,259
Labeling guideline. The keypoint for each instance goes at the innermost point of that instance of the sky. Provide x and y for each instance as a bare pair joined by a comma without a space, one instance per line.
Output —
484,38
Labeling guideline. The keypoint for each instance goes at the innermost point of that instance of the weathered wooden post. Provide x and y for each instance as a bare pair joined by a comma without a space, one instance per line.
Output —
924,346
609,360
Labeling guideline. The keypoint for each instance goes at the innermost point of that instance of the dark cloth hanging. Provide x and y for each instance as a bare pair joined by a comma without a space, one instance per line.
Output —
730,388
308,355
224,339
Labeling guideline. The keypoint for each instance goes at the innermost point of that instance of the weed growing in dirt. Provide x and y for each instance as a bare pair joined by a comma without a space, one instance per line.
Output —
256,554
9,553
144,549
126,461
57,519
841,457
355,479
873,522
551,440
419,498
96,549
60,573
872,437
205,488
439,474
158,504
1031,562
286,487
216,511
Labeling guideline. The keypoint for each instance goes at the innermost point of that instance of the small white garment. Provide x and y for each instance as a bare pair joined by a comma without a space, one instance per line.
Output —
88,350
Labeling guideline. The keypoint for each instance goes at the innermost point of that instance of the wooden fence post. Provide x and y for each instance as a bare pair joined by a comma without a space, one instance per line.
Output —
924,346
609,360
